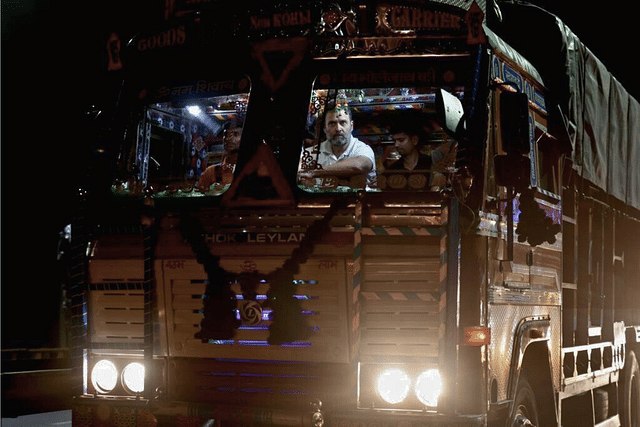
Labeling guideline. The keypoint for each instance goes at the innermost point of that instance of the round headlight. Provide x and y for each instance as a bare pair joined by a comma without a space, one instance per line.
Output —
393,386
133,377
104,376
429,387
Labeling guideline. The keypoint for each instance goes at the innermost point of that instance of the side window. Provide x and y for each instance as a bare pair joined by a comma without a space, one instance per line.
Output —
381,139
189,136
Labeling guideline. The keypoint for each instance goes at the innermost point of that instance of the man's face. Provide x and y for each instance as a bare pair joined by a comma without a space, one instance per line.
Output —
405,144
232,138
338,127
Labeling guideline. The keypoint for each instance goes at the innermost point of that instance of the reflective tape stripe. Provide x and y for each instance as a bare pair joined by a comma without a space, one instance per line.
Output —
400,296
400,231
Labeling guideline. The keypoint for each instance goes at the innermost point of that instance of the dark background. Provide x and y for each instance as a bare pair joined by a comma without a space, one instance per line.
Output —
52,57
52,54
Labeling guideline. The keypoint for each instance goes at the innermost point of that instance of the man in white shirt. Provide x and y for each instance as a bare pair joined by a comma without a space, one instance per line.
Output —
341,155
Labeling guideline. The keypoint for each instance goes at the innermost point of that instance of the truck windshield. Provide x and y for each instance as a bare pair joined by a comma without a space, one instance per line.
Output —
187,138
392,132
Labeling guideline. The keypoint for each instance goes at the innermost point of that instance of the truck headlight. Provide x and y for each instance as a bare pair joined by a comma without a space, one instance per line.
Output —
104,376
133,377
393,385
428,387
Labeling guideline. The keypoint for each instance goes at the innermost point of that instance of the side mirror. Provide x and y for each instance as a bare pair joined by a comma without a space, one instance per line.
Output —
514,122
450,113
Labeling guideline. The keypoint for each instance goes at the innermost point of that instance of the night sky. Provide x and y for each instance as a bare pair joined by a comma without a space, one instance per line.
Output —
50,54
612,34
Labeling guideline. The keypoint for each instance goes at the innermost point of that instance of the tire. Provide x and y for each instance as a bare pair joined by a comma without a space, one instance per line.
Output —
525,407
630,405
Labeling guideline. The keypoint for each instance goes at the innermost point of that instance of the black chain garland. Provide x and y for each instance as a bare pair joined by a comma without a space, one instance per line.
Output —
287,322
534,225
219,320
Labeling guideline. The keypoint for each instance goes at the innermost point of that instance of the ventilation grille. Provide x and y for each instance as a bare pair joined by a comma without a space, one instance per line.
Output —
399,303
320,288
116,313
275,384
116,271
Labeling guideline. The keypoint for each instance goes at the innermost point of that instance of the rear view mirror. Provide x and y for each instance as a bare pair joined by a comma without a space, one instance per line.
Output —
450,113
514,122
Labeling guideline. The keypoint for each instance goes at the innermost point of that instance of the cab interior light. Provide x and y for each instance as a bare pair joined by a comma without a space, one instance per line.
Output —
194,110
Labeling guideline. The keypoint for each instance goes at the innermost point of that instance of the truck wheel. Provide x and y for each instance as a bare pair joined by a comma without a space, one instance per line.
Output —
630,405
525,410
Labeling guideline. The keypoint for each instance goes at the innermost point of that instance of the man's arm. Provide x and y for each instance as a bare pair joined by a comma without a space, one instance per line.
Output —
350,166
207,178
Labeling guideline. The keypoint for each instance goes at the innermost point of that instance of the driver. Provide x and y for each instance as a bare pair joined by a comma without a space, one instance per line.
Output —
223,173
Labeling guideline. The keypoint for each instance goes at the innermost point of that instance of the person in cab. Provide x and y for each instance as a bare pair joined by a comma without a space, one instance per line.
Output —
223,173
406,139
407,135
341,155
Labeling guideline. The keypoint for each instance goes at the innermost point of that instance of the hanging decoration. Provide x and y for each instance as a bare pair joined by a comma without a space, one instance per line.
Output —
534,225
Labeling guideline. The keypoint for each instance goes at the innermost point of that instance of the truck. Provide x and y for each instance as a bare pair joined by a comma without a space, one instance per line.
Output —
213,282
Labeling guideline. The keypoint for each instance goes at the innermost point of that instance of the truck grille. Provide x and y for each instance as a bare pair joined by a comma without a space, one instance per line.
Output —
116,313
115,302
246,369
321,288
399,299
276,384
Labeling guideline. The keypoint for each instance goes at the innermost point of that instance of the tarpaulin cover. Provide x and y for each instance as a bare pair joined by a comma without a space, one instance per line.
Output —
606,143
603,120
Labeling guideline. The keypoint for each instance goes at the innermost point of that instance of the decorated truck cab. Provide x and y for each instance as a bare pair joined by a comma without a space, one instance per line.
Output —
351,213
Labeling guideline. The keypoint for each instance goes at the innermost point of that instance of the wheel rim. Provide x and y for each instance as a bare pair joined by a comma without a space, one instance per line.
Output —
525,411
521,418
635,421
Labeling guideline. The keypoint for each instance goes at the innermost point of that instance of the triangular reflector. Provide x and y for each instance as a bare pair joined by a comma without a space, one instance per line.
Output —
260,183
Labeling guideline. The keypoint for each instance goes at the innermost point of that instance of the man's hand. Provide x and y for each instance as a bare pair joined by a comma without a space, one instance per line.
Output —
344,169
307,174
307,177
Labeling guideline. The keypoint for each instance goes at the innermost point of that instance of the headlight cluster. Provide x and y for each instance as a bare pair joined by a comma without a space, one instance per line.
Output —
105,376
428,387
394,386
400,387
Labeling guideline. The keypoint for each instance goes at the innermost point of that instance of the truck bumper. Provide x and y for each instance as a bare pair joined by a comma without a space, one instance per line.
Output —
371,418
111,412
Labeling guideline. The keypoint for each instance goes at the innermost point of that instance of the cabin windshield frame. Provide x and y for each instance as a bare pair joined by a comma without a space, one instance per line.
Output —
177,132
377,100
